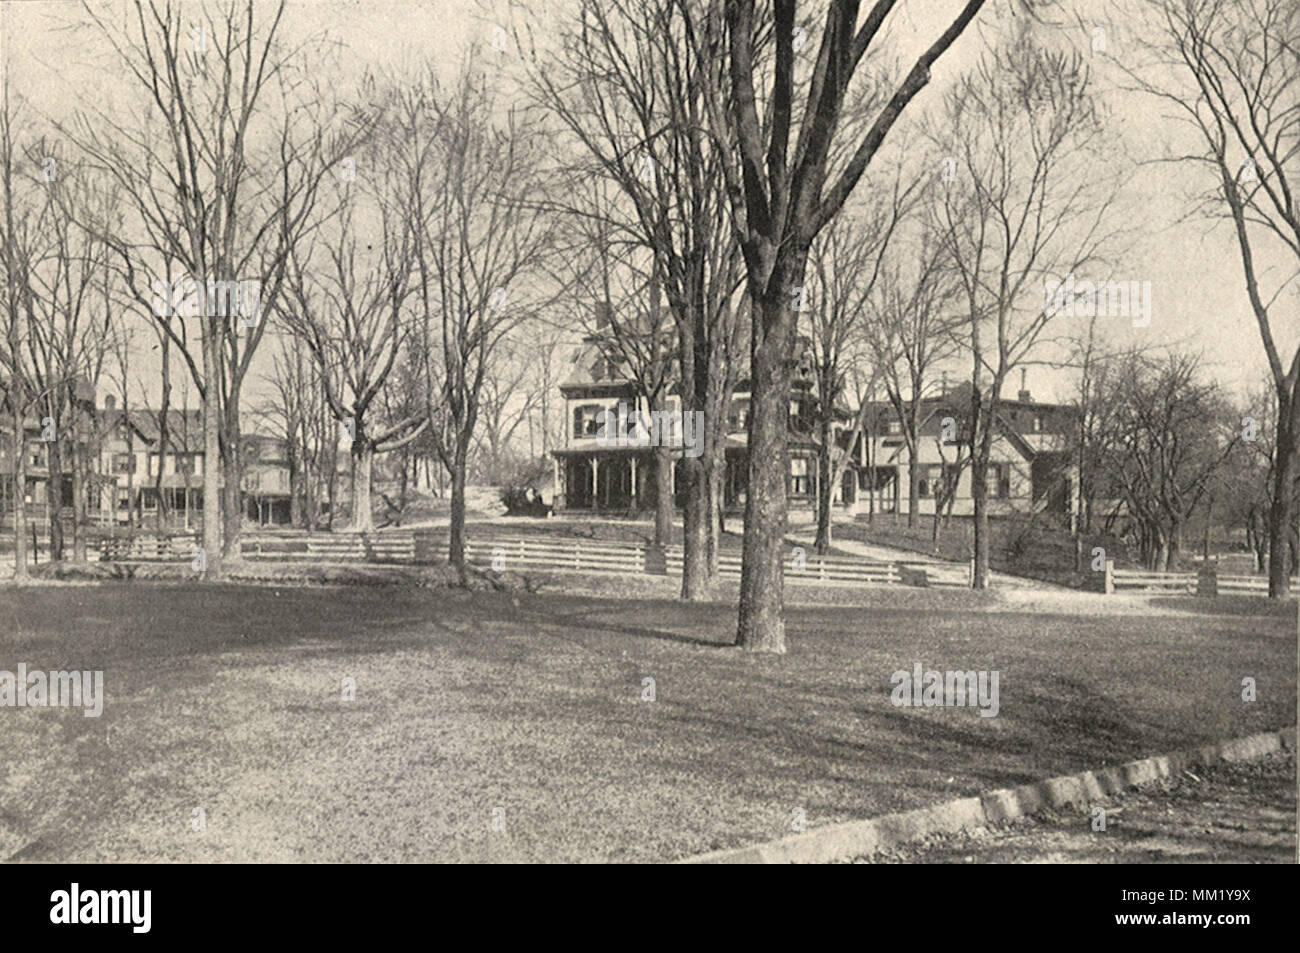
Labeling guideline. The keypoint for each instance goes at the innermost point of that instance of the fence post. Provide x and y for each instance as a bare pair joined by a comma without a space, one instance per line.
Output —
421,544
1207,579
1108,578
655,560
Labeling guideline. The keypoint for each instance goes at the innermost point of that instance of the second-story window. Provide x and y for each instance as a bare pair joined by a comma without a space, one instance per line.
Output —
586,420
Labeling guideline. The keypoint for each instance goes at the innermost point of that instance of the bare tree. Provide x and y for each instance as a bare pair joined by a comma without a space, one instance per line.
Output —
1025,204
348,305
846,261
909,333
70,335
618,287
476,183
222,171
625,82
1242,58
23,242
781,195
1172,433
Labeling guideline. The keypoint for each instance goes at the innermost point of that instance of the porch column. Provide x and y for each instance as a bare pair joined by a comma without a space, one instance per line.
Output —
595,483
634,487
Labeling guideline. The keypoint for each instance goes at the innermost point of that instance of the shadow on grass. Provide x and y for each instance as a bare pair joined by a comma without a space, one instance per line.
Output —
1228,605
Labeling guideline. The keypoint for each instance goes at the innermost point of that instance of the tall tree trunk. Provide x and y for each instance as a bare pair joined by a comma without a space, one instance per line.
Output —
296,492
1285,475
332,495
694,360
164,430
695,534
761,627
20,496
914,482
984,410
212,466
663,496
980,495
824,490
456,541
363,459
79,519
233,475
54,495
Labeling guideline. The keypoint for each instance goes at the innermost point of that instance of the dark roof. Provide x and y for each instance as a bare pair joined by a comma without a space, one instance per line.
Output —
180,424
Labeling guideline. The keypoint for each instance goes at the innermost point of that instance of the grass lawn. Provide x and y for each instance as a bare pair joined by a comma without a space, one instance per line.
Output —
227,698
1034,549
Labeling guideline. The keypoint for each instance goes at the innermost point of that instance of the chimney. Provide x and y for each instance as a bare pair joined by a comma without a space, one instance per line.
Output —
1024,391
110,402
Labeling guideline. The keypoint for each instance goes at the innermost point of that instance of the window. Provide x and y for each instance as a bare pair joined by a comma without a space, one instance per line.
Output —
893,428
931,482
1038,423
798,476
586,420
738,418
122,463
998,480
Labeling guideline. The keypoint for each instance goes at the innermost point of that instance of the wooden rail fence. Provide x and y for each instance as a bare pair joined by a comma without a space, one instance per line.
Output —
1205,581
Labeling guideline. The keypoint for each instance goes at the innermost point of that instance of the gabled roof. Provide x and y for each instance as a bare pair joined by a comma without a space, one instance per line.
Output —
181,425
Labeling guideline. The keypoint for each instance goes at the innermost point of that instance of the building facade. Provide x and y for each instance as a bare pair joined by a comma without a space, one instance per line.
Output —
136,474
606,463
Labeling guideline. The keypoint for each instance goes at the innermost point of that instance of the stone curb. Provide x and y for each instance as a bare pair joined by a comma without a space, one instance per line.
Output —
857,838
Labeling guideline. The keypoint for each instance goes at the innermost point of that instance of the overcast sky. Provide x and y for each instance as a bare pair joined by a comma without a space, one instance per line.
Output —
1194,267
